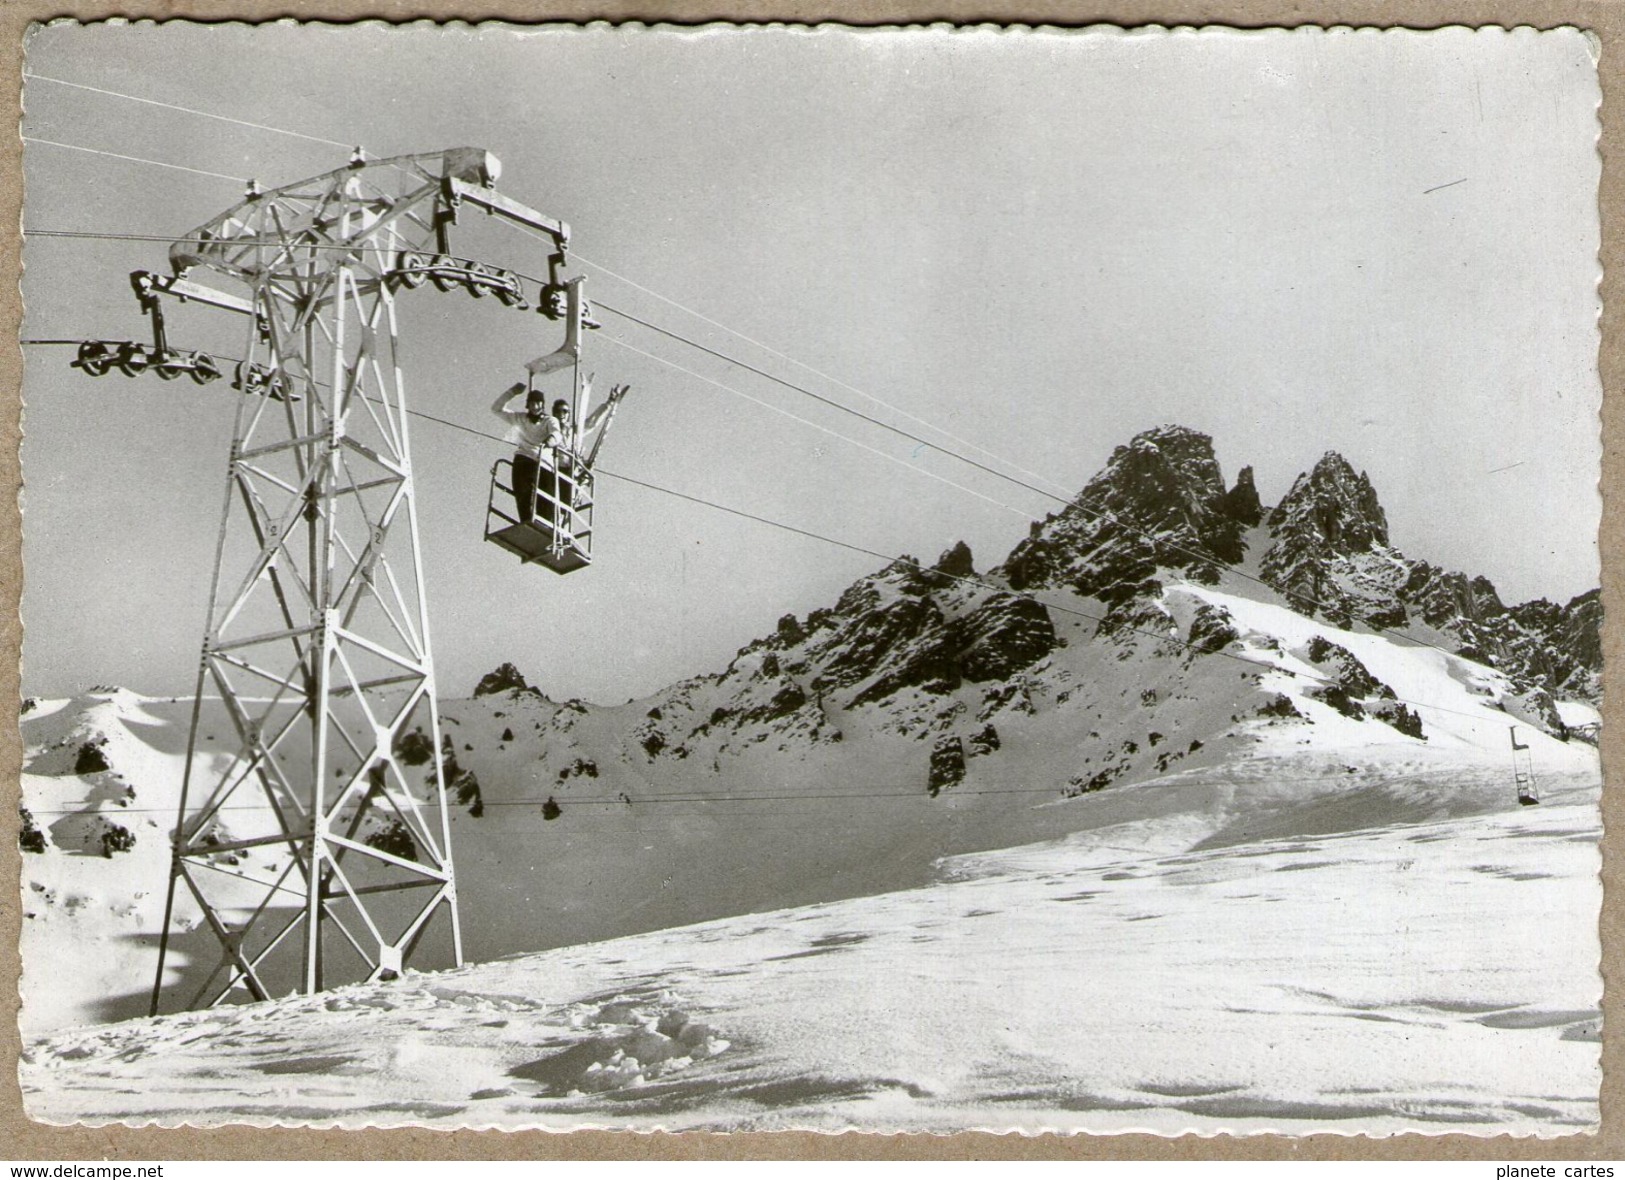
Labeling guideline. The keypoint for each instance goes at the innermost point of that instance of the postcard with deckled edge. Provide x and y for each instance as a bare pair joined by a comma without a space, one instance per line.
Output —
754,578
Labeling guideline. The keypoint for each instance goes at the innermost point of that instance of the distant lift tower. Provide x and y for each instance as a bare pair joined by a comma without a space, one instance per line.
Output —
1523,771
319,850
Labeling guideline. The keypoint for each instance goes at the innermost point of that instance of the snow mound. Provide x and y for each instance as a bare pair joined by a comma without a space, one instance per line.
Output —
1091,983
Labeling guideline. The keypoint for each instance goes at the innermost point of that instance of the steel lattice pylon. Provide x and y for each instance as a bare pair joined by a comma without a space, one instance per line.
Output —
317,639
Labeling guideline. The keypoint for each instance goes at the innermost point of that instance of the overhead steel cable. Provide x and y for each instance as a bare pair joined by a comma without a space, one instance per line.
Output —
111,808
828,401
171,238
782,356
777,796
186,110
1097,514
768,348
895,559
73,147
981,583
1070,502
825,429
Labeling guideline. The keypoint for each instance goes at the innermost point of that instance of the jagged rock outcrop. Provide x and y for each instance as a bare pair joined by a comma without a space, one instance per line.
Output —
947,765
1353,691
903,628
935,652
505,679
901,640
1328,549
1330,556
1241,503
1212,630
1565,644
956,562
1160,503
29,837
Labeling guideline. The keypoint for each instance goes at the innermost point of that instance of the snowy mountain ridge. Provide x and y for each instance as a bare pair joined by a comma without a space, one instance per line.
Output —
1098,676
1161,503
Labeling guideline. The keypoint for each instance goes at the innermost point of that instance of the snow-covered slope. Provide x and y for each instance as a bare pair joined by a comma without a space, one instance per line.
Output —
789,778
1109,717
1164,973
100,783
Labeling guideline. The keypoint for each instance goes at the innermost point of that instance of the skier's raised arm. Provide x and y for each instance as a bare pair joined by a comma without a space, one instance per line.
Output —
500,406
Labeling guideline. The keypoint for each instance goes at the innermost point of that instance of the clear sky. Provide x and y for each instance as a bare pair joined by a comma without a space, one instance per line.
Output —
1382,244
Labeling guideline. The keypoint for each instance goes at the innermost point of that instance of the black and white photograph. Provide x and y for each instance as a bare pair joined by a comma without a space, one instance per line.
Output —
757,578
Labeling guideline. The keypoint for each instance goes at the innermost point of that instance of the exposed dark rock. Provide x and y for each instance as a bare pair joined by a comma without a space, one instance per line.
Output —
907,642
1342,666
956,562
1013,696
1005,634
1085,784
1137,617
1444,599
929,667
29,837
1354,692
505,679
1330,556
117,838
413,747
91,759
1212,630
1241,503
463,785
1338,698
947,765
1401,718
1279,705
874,632
789,697
467,788
1159,503
1561,646
396,839
1333,506
1331,513
983,741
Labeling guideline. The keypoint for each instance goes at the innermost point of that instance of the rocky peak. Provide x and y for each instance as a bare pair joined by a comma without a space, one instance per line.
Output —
506,678
956,562
902,641
1333,507
1241,503
908,627
1159,503
1330,555
1164,477
1329,547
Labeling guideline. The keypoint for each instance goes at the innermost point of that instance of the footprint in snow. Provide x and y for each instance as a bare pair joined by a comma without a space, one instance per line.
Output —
633,1044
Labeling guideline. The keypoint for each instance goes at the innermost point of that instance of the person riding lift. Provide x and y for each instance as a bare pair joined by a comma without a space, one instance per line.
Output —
546,462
